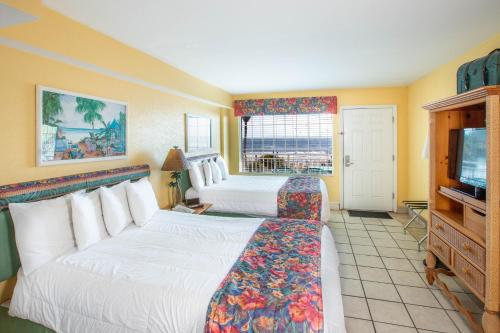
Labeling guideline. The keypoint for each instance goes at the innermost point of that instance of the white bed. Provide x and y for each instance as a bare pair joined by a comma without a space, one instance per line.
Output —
158,278
250,195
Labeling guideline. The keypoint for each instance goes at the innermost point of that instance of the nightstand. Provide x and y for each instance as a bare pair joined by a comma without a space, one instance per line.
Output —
201,210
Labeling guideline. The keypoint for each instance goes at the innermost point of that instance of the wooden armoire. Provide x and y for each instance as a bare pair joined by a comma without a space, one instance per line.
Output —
464,232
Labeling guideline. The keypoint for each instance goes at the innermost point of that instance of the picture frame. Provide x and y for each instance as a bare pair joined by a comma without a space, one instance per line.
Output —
74,128
199,132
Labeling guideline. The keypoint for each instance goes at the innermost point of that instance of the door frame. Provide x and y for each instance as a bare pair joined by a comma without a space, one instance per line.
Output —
394,152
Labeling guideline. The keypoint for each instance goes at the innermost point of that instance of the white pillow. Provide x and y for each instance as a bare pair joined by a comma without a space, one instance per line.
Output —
88,222
207,170
43,231
115,208
142,201
196,177
223,168
216,174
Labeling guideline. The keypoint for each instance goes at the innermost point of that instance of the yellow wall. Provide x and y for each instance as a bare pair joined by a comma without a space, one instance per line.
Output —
438,84
156,119
345,97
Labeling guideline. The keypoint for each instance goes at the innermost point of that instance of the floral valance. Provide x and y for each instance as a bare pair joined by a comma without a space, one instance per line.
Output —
273,106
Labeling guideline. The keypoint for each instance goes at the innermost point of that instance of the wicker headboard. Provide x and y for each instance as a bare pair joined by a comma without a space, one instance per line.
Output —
46,189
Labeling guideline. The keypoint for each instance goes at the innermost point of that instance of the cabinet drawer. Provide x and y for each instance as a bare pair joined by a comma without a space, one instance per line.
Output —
467,247
470,249
441,228
468,273
441,249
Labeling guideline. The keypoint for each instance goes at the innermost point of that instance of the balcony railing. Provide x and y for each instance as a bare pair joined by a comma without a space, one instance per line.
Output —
319,164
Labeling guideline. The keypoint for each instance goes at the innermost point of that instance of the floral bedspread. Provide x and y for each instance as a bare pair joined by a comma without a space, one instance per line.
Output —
300,198
275,284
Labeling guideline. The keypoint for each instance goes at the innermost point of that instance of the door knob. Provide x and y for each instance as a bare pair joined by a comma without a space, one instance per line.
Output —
347,161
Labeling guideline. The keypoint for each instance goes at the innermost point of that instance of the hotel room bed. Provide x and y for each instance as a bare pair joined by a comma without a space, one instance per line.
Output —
253,195
152,279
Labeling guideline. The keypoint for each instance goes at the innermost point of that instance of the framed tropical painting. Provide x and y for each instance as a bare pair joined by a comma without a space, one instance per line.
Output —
73,128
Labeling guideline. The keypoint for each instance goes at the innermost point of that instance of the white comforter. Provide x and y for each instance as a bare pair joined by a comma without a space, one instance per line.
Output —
250,195
158,278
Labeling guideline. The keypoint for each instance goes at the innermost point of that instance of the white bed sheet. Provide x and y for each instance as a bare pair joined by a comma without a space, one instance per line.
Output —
250,195
158,278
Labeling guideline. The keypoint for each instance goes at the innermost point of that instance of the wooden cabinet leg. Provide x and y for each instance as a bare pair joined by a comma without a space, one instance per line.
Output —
430,261
491,322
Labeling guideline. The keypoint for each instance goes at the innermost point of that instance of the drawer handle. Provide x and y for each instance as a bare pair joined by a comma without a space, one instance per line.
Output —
465,271
438,247
467,247
439,227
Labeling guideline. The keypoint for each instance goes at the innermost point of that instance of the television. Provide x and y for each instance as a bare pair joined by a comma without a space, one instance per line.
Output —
467,160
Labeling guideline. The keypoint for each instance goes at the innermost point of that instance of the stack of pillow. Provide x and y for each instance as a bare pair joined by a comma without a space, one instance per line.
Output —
207,173
48,229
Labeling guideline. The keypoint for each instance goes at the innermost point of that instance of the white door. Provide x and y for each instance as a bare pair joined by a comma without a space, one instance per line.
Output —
368,161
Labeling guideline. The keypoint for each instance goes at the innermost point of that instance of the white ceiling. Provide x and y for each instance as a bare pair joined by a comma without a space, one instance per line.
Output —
282,45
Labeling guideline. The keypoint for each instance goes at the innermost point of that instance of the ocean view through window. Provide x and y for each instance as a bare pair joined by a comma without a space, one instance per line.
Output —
287,144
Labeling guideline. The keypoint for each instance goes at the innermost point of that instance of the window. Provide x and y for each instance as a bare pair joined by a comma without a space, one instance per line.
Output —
296,144
198,133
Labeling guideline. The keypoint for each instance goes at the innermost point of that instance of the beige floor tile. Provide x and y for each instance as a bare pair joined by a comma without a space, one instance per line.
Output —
384,242
339,232
354,325
360,240
351,287
419,265
352,226
418,296
465,299
389,312
391,223
345,248
349,272
414,254
341,239
398,264
338,225
400,236
346,259
395,229
407,244
431,319
381,291
358,233
355,307
380,234
364,249
372,222
371,227
374,274
369,261
388,328
390,252
412,279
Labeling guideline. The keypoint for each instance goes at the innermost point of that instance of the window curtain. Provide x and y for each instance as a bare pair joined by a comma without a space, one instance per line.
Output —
276,106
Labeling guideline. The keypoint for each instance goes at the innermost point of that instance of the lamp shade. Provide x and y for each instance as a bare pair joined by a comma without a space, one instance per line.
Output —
175,160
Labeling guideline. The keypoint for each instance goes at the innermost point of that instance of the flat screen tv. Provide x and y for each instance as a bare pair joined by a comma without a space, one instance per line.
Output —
467,158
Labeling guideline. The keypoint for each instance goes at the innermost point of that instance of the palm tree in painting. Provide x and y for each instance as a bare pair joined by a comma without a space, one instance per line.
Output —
51,108
91,109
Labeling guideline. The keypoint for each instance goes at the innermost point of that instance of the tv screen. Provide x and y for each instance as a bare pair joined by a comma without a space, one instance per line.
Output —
467,156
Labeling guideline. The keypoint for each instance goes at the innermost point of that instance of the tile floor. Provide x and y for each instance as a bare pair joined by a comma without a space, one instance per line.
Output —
383,282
